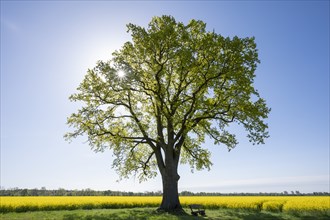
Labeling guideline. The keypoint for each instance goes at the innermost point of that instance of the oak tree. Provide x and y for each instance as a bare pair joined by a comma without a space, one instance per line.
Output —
163,93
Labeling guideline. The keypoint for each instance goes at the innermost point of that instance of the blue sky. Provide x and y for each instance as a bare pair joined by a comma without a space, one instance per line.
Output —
47,47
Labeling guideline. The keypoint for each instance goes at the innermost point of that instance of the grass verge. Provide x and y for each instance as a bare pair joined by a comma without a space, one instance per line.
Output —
151,214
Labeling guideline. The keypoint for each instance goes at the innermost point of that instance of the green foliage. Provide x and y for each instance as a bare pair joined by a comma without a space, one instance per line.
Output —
182,83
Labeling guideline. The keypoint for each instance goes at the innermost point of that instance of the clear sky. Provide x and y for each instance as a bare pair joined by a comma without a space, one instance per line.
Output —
47,47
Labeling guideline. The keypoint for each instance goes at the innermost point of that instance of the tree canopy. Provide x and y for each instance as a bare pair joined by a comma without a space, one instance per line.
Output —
178,84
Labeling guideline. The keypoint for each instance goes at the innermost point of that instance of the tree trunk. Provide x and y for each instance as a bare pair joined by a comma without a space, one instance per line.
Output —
169,172
170,202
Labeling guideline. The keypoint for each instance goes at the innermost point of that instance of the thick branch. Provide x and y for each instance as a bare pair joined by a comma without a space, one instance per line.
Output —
145,164
160,160
145,135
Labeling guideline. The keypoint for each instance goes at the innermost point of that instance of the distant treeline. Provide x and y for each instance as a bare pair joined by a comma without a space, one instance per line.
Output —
89,192
64,192
285,193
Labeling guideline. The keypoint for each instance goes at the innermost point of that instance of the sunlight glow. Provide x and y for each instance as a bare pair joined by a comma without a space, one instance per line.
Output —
121,74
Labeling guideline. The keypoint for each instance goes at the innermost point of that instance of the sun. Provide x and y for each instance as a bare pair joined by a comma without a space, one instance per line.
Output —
121,74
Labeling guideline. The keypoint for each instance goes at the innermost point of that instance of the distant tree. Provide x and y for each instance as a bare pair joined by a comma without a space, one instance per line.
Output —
186,193
163,93
61,192
25,192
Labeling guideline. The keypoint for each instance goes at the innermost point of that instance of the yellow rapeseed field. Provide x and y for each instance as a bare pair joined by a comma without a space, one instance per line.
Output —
267,203
31,203
257,203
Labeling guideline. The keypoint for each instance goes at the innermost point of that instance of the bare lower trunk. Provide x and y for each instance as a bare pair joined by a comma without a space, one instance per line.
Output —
170,202
169,172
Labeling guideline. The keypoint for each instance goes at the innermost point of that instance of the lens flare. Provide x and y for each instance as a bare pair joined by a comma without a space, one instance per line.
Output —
121,74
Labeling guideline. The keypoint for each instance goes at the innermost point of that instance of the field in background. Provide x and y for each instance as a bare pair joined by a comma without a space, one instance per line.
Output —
285,204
